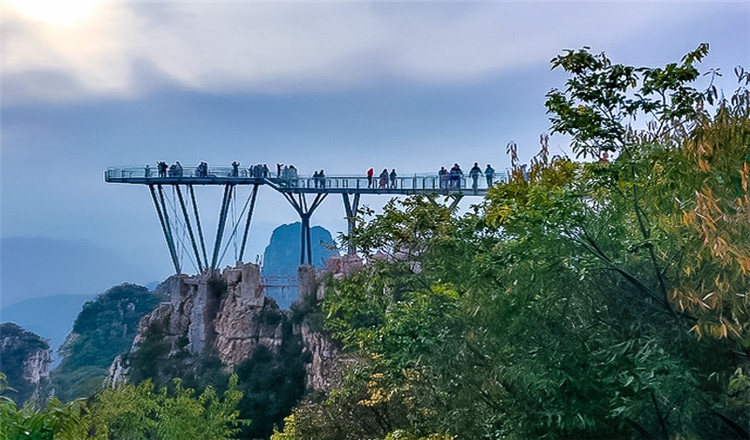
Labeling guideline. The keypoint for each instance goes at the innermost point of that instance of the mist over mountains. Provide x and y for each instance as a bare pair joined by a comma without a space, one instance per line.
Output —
50,317
37,267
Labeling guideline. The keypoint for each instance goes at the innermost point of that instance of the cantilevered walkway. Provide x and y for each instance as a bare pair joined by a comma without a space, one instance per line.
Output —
181,222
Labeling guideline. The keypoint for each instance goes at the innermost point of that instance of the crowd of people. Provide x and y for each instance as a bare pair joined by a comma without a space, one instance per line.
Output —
385,179
451,179
164,170
287,175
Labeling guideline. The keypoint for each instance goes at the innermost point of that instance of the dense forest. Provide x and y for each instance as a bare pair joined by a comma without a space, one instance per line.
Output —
601,296
582,299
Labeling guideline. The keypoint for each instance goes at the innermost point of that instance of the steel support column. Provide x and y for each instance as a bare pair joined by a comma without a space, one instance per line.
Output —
250,198
305,255
456,198
161,210
305,249
222,221
198,224
189,228
249,217
351,216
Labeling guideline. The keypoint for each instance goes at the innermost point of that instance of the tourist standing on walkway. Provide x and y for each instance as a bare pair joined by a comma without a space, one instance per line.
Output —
383,179
489,173
393,178
370,173
474,174
455,176
443,178
322,179
202,169
292,176
162,168
235,169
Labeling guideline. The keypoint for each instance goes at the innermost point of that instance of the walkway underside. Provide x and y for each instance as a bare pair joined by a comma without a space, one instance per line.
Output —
427,184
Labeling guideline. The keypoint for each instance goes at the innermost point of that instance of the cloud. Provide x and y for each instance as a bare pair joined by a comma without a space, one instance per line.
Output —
286,47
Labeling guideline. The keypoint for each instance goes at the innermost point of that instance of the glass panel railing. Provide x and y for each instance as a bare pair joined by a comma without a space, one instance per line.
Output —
416,182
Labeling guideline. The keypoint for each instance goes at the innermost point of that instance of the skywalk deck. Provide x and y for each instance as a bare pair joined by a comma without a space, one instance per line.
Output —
335,184
181,222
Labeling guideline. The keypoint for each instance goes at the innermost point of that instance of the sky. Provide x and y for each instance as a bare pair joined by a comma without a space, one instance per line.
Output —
319,84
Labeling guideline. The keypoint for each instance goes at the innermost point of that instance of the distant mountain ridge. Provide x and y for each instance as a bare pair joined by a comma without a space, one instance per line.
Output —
39,267
51,317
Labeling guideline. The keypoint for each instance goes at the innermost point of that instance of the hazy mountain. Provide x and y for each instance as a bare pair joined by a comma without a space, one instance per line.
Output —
37,267
51,317
281,259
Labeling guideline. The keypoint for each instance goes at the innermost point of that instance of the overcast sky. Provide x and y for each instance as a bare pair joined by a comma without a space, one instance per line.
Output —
336,85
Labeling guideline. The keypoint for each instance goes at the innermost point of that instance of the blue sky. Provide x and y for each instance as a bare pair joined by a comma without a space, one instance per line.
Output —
336,85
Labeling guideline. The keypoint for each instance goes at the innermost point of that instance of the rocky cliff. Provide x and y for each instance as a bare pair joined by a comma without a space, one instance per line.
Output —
325,360
219,324
228,314
223,313
25,359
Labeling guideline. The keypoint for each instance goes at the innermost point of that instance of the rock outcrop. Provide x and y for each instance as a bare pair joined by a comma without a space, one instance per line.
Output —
246,319
229,315
25,358
225,312
326,361
324,368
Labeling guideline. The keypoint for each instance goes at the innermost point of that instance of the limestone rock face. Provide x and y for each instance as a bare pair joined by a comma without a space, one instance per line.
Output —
25,359
324,368
246,319
118,373
226,312
36,372
308,281
36,366
343,265
229,313
326,359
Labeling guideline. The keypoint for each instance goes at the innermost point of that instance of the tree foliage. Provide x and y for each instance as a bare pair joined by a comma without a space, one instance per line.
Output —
603,299
103,329
127,412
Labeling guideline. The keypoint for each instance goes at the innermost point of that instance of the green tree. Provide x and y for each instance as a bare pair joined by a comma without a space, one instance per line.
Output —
127,412
103,329
55,421
580,300
140,412
271,385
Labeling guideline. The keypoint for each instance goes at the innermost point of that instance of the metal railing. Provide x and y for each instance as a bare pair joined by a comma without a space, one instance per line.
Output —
228,174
